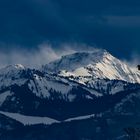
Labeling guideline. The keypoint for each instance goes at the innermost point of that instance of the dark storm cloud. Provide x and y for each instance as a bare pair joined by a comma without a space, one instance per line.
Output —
113,25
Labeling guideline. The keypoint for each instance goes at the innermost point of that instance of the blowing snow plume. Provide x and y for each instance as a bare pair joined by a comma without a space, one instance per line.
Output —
41,55
32,58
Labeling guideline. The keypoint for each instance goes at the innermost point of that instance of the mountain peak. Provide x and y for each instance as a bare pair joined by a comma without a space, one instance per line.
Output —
14,66
19,66
79,59
97,64
11,70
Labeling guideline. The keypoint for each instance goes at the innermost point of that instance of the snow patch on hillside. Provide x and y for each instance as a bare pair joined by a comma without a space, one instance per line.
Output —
99,64
80,118
3,96
29,120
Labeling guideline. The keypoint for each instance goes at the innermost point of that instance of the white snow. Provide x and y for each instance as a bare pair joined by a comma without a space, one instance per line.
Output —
74,61
33,120
59,87
19,66
11,70
66,73
3,96
80,118
71,97
6,82
89,69
29,120
41,86
11,75
98,64
81,72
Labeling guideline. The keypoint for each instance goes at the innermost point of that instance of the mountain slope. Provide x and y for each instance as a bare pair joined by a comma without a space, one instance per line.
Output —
86,95
92,65
56,95
34,93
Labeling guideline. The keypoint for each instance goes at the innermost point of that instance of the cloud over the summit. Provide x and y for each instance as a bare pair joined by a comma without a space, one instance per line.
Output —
35,58
32,58
45,53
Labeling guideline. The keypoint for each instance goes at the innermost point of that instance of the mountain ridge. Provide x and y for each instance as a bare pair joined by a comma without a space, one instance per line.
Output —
100,64
89,89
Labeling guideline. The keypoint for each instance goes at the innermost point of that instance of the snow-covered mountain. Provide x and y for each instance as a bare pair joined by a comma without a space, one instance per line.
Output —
31,92
40,84
87,66
83,76
89,86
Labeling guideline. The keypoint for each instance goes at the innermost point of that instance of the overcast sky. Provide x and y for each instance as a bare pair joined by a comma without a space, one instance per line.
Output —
110,24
